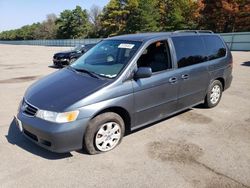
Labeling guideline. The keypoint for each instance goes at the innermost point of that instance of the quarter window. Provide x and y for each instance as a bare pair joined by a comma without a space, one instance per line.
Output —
190,50
215,47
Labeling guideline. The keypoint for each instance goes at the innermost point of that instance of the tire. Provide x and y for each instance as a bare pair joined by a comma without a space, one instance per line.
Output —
214,94
103,133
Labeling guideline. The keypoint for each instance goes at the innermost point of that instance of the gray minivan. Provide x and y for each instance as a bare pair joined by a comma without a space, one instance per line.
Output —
122,84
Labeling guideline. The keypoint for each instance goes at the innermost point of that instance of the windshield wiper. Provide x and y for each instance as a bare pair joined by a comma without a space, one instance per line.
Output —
93,74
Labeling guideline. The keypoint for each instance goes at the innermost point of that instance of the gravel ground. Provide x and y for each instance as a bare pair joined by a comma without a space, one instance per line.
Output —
197,148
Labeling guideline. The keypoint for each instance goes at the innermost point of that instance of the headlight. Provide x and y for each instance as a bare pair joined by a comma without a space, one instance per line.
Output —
57,117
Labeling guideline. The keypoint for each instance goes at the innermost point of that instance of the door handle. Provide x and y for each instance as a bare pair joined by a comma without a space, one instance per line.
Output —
173,80
185,76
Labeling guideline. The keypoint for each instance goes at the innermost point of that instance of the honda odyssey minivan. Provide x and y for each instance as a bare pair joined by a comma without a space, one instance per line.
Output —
121,84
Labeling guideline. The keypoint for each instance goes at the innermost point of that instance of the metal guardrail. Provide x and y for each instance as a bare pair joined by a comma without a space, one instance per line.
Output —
239,41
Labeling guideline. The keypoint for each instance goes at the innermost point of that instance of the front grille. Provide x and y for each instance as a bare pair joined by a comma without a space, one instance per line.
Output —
35,138
30,135
29,109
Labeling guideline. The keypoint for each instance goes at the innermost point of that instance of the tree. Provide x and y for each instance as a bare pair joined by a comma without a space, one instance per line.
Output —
94,17
191,13
48,28
144,17
73,24
178,14
27,32
113,18
133,24
219,15
24,33
132,16
243,16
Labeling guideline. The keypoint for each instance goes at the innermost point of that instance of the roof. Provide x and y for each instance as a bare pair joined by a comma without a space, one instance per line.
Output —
148,36
140,36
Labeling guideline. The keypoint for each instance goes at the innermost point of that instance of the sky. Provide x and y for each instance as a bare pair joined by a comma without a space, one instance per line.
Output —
17,13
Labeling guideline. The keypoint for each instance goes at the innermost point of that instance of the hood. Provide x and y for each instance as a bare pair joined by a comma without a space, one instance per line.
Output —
65,53
60,90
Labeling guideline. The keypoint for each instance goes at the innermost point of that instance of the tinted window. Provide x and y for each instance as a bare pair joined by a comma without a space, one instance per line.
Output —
215,47
156,56
190,50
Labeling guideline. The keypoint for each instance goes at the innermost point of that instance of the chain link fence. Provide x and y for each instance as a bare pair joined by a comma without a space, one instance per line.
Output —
239,41
63,42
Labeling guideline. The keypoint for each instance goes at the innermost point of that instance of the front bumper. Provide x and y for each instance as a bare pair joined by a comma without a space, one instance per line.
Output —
60,62
59,138
228,82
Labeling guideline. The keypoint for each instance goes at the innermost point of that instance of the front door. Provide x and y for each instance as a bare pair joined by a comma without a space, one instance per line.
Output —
155,97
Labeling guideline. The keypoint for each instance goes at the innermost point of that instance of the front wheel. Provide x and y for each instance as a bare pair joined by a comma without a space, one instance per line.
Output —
103,133
214,94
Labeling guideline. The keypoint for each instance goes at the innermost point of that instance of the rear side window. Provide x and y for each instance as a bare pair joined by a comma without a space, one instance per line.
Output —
215,47
190,50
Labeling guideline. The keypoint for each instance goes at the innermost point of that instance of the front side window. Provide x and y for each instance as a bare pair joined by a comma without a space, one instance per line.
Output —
107,58
215,47
190,50
156,56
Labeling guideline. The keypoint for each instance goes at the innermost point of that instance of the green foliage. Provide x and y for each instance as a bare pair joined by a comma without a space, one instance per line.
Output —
178,14
129,16
47,29
44,30
133,16
26,32
170,15
73,24
144,18
114,16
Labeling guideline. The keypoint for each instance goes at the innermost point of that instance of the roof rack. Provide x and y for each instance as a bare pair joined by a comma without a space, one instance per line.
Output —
193,31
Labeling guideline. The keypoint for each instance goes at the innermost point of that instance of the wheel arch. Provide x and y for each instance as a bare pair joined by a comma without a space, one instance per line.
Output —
222,80
121,112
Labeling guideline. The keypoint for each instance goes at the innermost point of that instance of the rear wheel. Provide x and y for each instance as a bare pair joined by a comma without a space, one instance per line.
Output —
214,94
104,133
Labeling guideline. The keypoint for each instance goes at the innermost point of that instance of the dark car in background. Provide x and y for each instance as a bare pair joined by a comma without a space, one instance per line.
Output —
62,59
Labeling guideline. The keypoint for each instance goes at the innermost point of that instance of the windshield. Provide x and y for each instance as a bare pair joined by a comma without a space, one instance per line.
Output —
78,48
107,58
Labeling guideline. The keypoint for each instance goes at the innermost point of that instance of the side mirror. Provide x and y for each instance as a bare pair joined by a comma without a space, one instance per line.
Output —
143,72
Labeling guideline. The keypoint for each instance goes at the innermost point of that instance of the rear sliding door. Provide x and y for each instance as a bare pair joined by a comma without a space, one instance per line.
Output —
192,70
